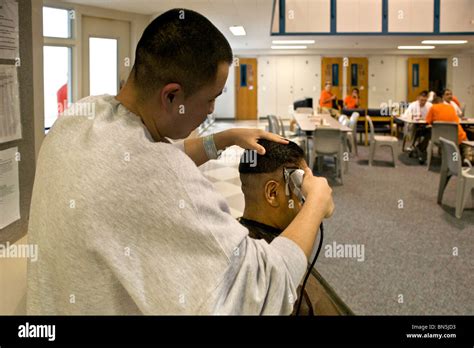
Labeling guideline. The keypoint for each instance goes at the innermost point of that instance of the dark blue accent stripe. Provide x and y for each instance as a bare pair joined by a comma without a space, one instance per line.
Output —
333,23
333,18
282,10
384,16
374,34
436,16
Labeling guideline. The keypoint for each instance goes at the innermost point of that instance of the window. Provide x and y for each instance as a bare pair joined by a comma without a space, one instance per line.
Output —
57,22
57,62
354,75
335,75
57,82
103,57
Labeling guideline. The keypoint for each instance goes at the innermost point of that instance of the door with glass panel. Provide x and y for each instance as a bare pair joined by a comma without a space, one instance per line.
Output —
106,61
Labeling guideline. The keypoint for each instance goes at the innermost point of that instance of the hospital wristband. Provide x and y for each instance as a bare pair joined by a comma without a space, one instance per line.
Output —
210,147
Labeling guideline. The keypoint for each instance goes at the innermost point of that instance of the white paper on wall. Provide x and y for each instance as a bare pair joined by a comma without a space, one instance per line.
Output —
10,119
9,38
9,187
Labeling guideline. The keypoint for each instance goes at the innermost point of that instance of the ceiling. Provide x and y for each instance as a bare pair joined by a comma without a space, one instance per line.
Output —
255,16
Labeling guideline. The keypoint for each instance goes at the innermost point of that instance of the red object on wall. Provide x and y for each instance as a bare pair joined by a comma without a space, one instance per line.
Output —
62,99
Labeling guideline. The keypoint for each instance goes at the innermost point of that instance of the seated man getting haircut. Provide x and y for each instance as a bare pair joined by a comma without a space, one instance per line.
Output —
270,207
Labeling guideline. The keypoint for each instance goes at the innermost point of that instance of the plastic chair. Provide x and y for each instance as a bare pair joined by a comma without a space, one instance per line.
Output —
347,136
380,141
451,165
327,142
447,130
353,134
274,125
344,120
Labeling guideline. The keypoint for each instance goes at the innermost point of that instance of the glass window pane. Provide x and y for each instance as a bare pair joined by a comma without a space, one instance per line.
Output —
103,73
56,22
57,82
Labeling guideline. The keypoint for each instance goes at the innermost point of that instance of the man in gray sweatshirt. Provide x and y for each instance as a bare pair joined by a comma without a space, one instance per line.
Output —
124,220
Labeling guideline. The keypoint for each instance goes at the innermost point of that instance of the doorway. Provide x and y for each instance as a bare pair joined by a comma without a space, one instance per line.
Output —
426,74
246,85
358,77
331,72
105,55
438,70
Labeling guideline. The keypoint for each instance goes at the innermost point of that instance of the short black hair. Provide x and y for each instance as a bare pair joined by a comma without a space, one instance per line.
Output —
437,100
446,90
355,89
276,156
423,94
180,46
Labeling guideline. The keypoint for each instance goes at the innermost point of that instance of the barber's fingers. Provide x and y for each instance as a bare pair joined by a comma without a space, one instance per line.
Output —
273,137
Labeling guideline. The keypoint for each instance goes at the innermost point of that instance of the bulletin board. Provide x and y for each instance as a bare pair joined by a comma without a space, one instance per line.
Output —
26,144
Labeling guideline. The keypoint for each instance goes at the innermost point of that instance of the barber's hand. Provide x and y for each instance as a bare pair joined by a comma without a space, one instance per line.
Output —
318,188
247,138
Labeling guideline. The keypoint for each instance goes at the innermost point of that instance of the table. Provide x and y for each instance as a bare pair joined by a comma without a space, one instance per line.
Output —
465,121
308,123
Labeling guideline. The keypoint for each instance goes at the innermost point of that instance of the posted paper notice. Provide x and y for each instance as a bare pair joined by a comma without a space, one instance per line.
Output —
9,187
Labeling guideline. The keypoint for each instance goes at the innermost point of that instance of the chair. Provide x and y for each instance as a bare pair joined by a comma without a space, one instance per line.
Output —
447,130
275,125
380,141
451,165
352,136
327,142
344,120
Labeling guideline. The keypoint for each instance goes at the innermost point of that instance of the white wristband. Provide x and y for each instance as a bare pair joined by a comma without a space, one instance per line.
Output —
210,147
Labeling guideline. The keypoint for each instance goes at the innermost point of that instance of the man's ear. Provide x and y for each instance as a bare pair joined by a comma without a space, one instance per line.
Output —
170,93
271,193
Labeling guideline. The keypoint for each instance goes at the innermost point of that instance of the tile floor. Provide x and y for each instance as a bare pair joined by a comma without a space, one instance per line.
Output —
223,172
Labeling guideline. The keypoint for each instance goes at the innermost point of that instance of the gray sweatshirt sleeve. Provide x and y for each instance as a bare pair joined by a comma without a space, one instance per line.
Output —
260,278
263,280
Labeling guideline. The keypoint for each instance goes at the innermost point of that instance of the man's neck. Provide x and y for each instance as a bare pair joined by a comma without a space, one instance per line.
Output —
128,98
256,214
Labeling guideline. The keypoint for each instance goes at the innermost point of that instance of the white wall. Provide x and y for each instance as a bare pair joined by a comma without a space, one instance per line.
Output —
359,16
410,16
284,79
225,103
387,79
461,72
456,16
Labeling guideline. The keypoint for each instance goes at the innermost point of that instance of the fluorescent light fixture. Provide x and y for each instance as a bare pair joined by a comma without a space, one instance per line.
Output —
293,42
289,47
416,47
444,42
238,30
